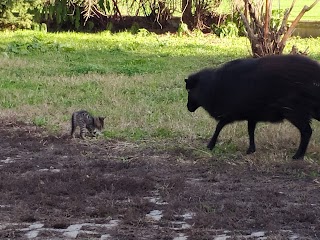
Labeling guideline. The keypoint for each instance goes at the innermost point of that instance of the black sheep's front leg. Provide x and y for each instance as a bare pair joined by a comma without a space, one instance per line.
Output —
251,128
214,138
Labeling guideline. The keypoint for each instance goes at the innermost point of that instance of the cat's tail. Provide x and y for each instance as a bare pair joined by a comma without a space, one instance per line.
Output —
73,125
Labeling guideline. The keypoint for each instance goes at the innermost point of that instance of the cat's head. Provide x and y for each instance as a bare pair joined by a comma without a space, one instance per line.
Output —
98,123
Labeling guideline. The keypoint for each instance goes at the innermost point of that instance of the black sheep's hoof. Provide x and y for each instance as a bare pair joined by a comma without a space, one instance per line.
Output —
251,150
210,146
297,157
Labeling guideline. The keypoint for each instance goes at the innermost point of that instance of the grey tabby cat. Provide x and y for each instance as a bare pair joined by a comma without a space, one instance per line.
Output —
84,120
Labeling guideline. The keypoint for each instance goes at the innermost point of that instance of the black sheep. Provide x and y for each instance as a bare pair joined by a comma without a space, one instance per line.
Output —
268,89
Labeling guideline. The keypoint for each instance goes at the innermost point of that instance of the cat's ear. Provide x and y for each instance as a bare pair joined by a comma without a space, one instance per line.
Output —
101,119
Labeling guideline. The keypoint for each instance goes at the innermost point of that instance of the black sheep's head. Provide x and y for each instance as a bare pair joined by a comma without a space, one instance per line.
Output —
191,86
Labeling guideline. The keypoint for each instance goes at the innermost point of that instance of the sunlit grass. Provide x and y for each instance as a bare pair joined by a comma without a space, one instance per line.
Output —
313,14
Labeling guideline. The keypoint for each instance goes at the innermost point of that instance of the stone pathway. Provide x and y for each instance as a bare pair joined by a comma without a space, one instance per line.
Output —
38,231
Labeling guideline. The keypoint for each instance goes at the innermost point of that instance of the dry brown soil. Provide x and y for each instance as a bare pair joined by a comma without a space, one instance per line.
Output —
52,187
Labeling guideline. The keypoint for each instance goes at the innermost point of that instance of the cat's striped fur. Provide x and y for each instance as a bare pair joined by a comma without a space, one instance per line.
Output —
84,120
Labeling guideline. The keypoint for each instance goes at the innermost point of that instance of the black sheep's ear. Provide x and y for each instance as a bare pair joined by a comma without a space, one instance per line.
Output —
186,80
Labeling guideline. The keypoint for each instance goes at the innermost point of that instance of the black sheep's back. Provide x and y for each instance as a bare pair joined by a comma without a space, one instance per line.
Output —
263,89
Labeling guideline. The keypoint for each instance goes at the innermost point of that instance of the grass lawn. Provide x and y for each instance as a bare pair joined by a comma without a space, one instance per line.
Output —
135,81
312,15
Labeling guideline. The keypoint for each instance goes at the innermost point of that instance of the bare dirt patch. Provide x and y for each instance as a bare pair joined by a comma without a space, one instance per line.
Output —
52,187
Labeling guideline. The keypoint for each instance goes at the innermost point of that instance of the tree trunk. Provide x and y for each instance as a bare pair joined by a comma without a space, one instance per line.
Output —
187,17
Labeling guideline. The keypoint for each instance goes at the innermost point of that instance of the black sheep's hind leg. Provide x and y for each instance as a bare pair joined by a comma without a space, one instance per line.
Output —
214,138
251,129
305,135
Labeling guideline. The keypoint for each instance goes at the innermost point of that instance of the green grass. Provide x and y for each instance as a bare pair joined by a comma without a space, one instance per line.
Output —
312,15
135,81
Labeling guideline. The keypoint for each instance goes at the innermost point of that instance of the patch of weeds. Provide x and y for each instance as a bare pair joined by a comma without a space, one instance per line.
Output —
90,86
227,147
89,68
136,133
163,133
202,153
143,65
68,103
40,121
110,134
20,84
8,102
3,48
169,95
207,208
67,117
308,174
66,47
53,128
134,28
34,99
126,159
132,67
314,174
132,134
143,32
35,45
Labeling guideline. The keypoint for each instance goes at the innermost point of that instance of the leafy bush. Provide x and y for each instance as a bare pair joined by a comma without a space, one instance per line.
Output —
183,29
134,28
34,45
276,20
40,121
229,29
18,13
232,26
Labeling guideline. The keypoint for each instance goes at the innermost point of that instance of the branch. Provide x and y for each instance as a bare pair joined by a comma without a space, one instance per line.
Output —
90,10
312,5
295,22
246,24
286,15
184,9
267,19
254,17
283,28
245,8
117,8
